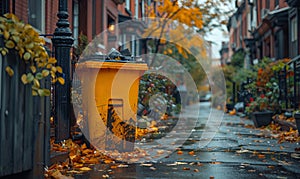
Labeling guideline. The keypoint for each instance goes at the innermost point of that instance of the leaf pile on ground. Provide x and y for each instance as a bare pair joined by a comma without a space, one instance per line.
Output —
283,135
81,158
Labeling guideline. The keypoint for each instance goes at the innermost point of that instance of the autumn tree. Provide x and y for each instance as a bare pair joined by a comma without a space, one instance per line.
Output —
177,21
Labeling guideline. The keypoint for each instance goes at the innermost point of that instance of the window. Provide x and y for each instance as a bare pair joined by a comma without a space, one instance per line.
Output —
37,14
75,22
4,7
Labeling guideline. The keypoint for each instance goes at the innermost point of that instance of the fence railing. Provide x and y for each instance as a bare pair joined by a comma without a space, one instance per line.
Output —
24,122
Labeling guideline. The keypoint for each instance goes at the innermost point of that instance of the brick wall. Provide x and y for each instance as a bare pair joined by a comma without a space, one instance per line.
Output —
21,10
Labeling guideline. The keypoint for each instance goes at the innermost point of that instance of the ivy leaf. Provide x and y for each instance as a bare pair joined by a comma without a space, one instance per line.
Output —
24,79
34,93
30,77
6,34
33,69
26,56
9,71
61,80
10,44
45,73
53,69
36,83
59,69
52,60
39,76
43,92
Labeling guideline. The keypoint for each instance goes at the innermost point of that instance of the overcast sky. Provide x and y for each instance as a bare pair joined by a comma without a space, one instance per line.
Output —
216,36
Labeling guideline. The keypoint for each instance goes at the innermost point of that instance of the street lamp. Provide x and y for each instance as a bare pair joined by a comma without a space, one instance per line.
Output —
62,42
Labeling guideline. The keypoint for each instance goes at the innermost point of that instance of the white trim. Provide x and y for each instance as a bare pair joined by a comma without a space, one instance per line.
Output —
136,13
127,4
43,14
143,9
133,45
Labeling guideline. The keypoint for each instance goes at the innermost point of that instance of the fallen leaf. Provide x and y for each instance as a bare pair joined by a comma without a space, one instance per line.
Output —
160,151
242,151
295,155
152,168
251,171
85,169
179,152
196,170
186,168
261,156
146,164
191,153
122,166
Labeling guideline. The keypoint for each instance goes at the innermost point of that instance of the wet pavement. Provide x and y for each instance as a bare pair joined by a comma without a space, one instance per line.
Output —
233,150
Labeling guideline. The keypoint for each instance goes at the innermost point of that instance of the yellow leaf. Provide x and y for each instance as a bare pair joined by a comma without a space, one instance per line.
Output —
24,79
29,46
34,93
53,69
6,35
36,83
3,52
26,56
49,66
59,69
10,44
61,80
16,38
85,169
9,71
33,69
45,73
52,60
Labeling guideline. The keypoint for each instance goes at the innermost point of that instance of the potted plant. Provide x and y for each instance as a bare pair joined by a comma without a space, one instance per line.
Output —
260,111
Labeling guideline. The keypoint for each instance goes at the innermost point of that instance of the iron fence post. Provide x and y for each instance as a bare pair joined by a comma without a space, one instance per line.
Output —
62,42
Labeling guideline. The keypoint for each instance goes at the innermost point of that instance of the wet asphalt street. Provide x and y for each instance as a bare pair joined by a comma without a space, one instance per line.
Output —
230,150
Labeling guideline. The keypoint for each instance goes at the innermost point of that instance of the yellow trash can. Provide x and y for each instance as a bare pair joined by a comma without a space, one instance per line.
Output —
109,99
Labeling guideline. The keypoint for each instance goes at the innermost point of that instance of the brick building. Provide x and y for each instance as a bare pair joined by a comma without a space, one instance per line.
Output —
264,28
87,17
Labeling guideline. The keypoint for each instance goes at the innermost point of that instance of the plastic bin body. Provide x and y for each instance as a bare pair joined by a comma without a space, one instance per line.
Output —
110,96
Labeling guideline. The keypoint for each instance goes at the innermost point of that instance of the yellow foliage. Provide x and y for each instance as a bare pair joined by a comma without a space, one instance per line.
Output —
24,39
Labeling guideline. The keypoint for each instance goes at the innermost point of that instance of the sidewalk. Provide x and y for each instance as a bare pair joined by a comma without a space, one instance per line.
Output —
237,150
